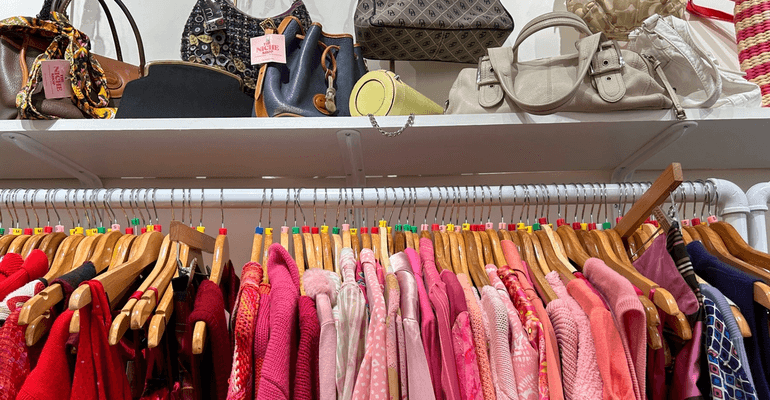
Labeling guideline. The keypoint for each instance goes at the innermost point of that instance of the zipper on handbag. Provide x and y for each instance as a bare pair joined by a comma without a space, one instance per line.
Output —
658,68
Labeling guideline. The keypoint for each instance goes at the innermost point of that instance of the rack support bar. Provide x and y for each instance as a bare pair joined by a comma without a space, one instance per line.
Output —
624,171
87,178
352,157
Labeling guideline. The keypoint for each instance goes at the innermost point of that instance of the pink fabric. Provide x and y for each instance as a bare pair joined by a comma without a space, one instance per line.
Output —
629,315
565,328
392,299
372,381
582,277
656,263
462,339
610,356
523,355
417,364
403,377
503,373
276,379
438,298
479,338
322,286
555,390
429,329
588,384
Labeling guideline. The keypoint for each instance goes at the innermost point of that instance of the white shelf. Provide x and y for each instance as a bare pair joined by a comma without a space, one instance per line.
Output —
435,145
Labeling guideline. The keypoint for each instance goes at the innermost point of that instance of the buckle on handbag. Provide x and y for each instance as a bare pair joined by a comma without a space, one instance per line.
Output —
621,61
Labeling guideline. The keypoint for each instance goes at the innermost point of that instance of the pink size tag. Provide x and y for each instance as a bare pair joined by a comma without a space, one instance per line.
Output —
56,81
268,48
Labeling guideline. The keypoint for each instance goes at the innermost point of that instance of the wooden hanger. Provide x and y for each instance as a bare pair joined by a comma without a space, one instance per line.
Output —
50,245
33,243
497,250
85,250
384,248
572,246
658,192
18,244
475,269
219,264
738,247
446,245
65,253
122,250
716,246
528,242
554,261
122,321
328,253
538,278
318,249
5,243
310,252
461,247
399,241
686,236
558,247
299,254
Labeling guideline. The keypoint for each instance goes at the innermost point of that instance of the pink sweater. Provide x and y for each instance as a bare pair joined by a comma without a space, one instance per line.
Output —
276,379
503,374
629,315
581,365
322,286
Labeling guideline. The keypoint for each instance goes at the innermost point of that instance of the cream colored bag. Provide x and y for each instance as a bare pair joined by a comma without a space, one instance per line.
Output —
599,78
617,18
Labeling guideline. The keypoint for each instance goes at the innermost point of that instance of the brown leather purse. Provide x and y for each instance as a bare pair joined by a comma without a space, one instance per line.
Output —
18,53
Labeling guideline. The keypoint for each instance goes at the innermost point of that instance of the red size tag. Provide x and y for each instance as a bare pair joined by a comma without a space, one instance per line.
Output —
56,81
268,48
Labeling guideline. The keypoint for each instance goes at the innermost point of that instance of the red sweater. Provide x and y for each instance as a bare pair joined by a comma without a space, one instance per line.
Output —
51,377
35,266
307,385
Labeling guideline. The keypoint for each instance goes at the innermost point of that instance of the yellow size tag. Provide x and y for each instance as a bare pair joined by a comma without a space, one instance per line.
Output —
353,231
383,223
324,229
466,226
268,231
79,230
17,231
201,229
38,231
520,226
583,226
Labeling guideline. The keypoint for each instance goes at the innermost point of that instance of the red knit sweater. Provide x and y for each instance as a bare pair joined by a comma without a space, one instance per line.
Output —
35,266
307,385
51,377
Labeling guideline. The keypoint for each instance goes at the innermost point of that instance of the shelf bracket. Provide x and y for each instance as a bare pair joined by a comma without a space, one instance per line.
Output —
352,157
87,178
625,170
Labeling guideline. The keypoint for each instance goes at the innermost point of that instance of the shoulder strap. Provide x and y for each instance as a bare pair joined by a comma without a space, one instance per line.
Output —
706,12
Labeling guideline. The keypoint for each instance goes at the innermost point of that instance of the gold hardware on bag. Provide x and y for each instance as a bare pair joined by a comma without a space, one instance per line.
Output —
268,26
331,93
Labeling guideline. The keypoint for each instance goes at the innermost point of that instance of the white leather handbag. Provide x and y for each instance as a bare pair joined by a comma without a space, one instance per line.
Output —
697,79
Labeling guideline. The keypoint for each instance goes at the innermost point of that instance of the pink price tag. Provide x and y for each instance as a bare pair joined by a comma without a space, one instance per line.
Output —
268,48
56,81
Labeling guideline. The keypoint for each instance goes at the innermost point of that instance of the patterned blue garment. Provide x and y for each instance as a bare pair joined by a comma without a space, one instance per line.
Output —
727,375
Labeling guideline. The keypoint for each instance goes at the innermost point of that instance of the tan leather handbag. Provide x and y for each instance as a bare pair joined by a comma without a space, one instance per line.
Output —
600,77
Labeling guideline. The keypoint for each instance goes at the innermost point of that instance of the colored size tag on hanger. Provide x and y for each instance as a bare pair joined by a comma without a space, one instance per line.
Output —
38,231
101,229
149,228
17,231
336,230
606,225
466,226
201,229
535,226
79,230
353,231
324,229
583,226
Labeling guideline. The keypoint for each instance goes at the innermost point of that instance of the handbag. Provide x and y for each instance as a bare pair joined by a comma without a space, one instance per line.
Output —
617,18
219,35
752,32
320,72
599,78
25,42
383,93
166,92
699,82
431,30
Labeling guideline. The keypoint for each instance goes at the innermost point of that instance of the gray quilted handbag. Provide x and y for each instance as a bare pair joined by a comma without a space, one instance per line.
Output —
431,30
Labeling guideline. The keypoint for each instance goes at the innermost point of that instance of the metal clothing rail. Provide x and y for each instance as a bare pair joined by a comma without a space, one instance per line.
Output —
507,195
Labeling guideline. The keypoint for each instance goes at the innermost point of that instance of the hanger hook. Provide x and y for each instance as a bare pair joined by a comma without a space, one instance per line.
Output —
326,201
107,206
427,209
86,209
352,207
146,207
299,205
364,209
443,214
45,204
154,207
32,203
270,208
262,206
315,198
438,204
24,204
221,206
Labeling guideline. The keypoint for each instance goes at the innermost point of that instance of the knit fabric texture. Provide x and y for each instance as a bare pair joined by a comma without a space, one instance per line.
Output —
503,374
99,371
588,384
244,322
438,298
10,263
275,382
629,316
479,338
463,344
372,380
306,383
429,325
553,372
351,326
322,286
20,295
34,267
215,362
15,357
739,287
721,303
51,379
523,356
567,335
261,332
610,354
728,378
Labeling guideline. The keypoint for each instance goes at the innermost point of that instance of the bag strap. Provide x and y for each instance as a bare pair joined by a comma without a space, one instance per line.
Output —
681,27
706,12
504,58
60,6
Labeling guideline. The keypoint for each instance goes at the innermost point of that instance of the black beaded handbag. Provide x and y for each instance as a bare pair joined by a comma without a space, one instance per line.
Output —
219,35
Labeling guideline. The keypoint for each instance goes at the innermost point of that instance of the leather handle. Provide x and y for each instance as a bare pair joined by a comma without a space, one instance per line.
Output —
60,6
549,20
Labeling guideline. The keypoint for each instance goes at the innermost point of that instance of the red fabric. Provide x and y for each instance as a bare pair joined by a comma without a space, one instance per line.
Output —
51,377
277,371
307,384
210,375
261,333
99,372
35,266
708,12
10,264
243,323
15,356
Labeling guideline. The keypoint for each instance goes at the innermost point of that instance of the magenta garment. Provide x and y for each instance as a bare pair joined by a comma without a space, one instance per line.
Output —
629,316
438,298
503,374
462,339
417,365
523,355
372,380
588,382
656,264
277,377
429,329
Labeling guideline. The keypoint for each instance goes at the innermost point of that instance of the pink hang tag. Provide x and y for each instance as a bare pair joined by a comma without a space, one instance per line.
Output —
56,81
268,48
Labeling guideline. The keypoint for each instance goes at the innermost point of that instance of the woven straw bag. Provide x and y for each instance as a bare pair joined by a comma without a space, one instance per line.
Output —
752,32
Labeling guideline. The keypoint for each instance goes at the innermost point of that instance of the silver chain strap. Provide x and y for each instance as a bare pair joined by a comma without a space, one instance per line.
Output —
375,125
